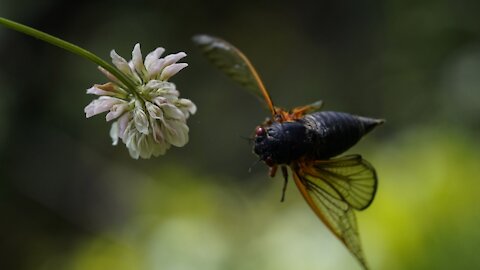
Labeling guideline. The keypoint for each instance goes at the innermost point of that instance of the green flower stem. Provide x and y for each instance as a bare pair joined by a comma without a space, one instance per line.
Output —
71,48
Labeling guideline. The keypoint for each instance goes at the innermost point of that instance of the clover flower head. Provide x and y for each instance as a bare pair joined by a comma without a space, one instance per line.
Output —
152,117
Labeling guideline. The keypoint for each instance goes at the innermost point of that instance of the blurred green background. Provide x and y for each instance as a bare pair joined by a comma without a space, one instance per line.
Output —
69,200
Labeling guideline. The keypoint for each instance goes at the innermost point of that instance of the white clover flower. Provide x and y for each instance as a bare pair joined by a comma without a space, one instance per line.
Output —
153,118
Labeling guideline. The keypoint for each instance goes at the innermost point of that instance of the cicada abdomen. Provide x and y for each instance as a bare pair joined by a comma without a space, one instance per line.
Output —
332,133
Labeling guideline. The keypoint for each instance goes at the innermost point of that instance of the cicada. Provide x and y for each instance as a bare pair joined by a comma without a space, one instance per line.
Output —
308,141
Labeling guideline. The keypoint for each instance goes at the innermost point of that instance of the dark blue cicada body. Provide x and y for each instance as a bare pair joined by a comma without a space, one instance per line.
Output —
320,135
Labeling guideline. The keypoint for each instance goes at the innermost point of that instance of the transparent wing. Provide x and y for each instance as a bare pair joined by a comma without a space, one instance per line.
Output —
325,185
299,112
235,64
352,177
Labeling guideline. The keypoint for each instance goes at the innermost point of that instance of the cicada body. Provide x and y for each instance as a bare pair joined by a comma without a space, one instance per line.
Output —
320,135
308,141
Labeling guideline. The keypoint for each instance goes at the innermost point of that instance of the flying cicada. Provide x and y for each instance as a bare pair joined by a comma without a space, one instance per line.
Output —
308,140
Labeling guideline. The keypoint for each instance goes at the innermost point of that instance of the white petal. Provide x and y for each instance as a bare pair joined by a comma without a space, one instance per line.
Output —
173,58
176,133
137,60
133,153
120,63
99,92
114,133
131,143
157,132
89,109
160,100
123,123
163,89
157,84
172,112
171,70
151,57
100,105
116,111
109,75
154,111
134,74
143,146
155,67
107,89
186,106
192,108
140,118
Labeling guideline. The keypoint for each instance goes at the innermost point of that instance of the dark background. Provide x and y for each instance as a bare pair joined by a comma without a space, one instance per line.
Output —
69,200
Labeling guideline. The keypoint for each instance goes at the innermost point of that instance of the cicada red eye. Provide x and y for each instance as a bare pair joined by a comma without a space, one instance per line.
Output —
260,131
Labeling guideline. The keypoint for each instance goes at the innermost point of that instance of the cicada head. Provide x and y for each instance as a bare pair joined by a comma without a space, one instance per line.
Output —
280,143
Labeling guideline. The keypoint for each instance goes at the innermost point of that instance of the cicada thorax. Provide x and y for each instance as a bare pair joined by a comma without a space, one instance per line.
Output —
315,136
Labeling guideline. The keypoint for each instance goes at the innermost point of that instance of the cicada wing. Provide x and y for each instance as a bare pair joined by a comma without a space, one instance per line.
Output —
235,64
352,177
299,112
326,195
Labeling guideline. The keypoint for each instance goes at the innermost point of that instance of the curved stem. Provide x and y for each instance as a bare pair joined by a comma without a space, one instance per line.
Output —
71,48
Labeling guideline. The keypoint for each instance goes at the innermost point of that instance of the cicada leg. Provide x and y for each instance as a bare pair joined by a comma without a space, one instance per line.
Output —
285,177
272,171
